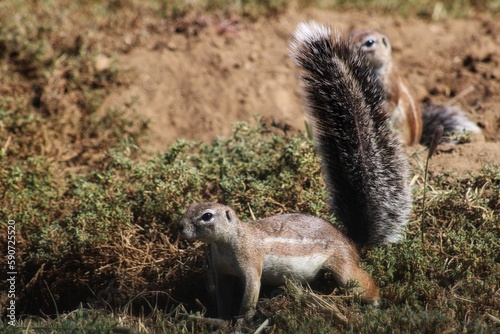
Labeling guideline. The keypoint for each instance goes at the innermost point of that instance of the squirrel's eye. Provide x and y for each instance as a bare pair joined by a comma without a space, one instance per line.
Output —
369,42
207,216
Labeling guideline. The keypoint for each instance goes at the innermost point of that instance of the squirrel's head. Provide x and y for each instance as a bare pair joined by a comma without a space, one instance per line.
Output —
373,44
208,222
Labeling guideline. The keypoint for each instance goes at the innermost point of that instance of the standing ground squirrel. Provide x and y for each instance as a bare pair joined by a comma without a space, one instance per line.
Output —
415,123
268,250
365,171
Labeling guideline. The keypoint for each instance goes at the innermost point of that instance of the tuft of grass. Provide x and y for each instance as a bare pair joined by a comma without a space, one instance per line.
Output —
436,139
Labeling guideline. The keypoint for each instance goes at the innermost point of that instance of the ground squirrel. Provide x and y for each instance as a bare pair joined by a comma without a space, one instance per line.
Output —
416,123
365,171
268,250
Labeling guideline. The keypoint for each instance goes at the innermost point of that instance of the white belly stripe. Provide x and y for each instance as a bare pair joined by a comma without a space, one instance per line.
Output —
302,268
292,241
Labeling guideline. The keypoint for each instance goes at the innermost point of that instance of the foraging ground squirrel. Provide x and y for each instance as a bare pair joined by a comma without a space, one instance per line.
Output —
365,170
415,123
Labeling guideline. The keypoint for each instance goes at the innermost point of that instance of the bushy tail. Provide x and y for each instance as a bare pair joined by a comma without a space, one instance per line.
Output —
453,120
362,160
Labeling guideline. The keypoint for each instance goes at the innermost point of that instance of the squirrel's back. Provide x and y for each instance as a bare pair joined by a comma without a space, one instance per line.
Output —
362,160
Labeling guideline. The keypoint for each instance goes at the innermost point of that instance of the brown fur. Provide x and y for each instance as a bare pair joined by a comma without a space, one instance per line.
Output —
268,250
406,113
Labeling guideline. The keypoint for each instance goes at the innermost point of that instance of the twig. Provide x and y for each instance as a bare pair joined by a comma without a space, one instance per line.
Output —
492,317
309,132
251,211
7,143
209,321
463,93
436,139
262,327
53,299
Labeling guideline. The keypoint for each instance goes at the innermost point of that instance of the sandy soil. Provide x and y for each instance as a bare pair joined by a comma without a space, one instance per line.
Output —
194,83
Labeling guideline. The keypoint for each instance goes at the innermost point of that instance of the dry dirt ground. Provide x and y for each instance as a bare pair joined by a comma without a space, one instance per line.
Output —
193,83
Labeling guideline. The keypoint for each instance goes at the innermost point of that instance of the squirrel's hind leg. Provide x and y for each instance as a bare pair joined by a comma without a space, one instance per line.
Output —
345,270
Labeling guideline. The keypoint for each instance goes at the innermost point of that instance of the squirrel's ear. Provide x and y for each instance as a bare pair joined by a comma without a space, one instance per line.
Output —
228,215
384,41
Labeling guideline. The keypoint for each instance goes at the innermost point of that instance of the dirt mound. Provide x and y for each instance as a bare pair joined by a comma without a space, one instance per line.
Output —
195,84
